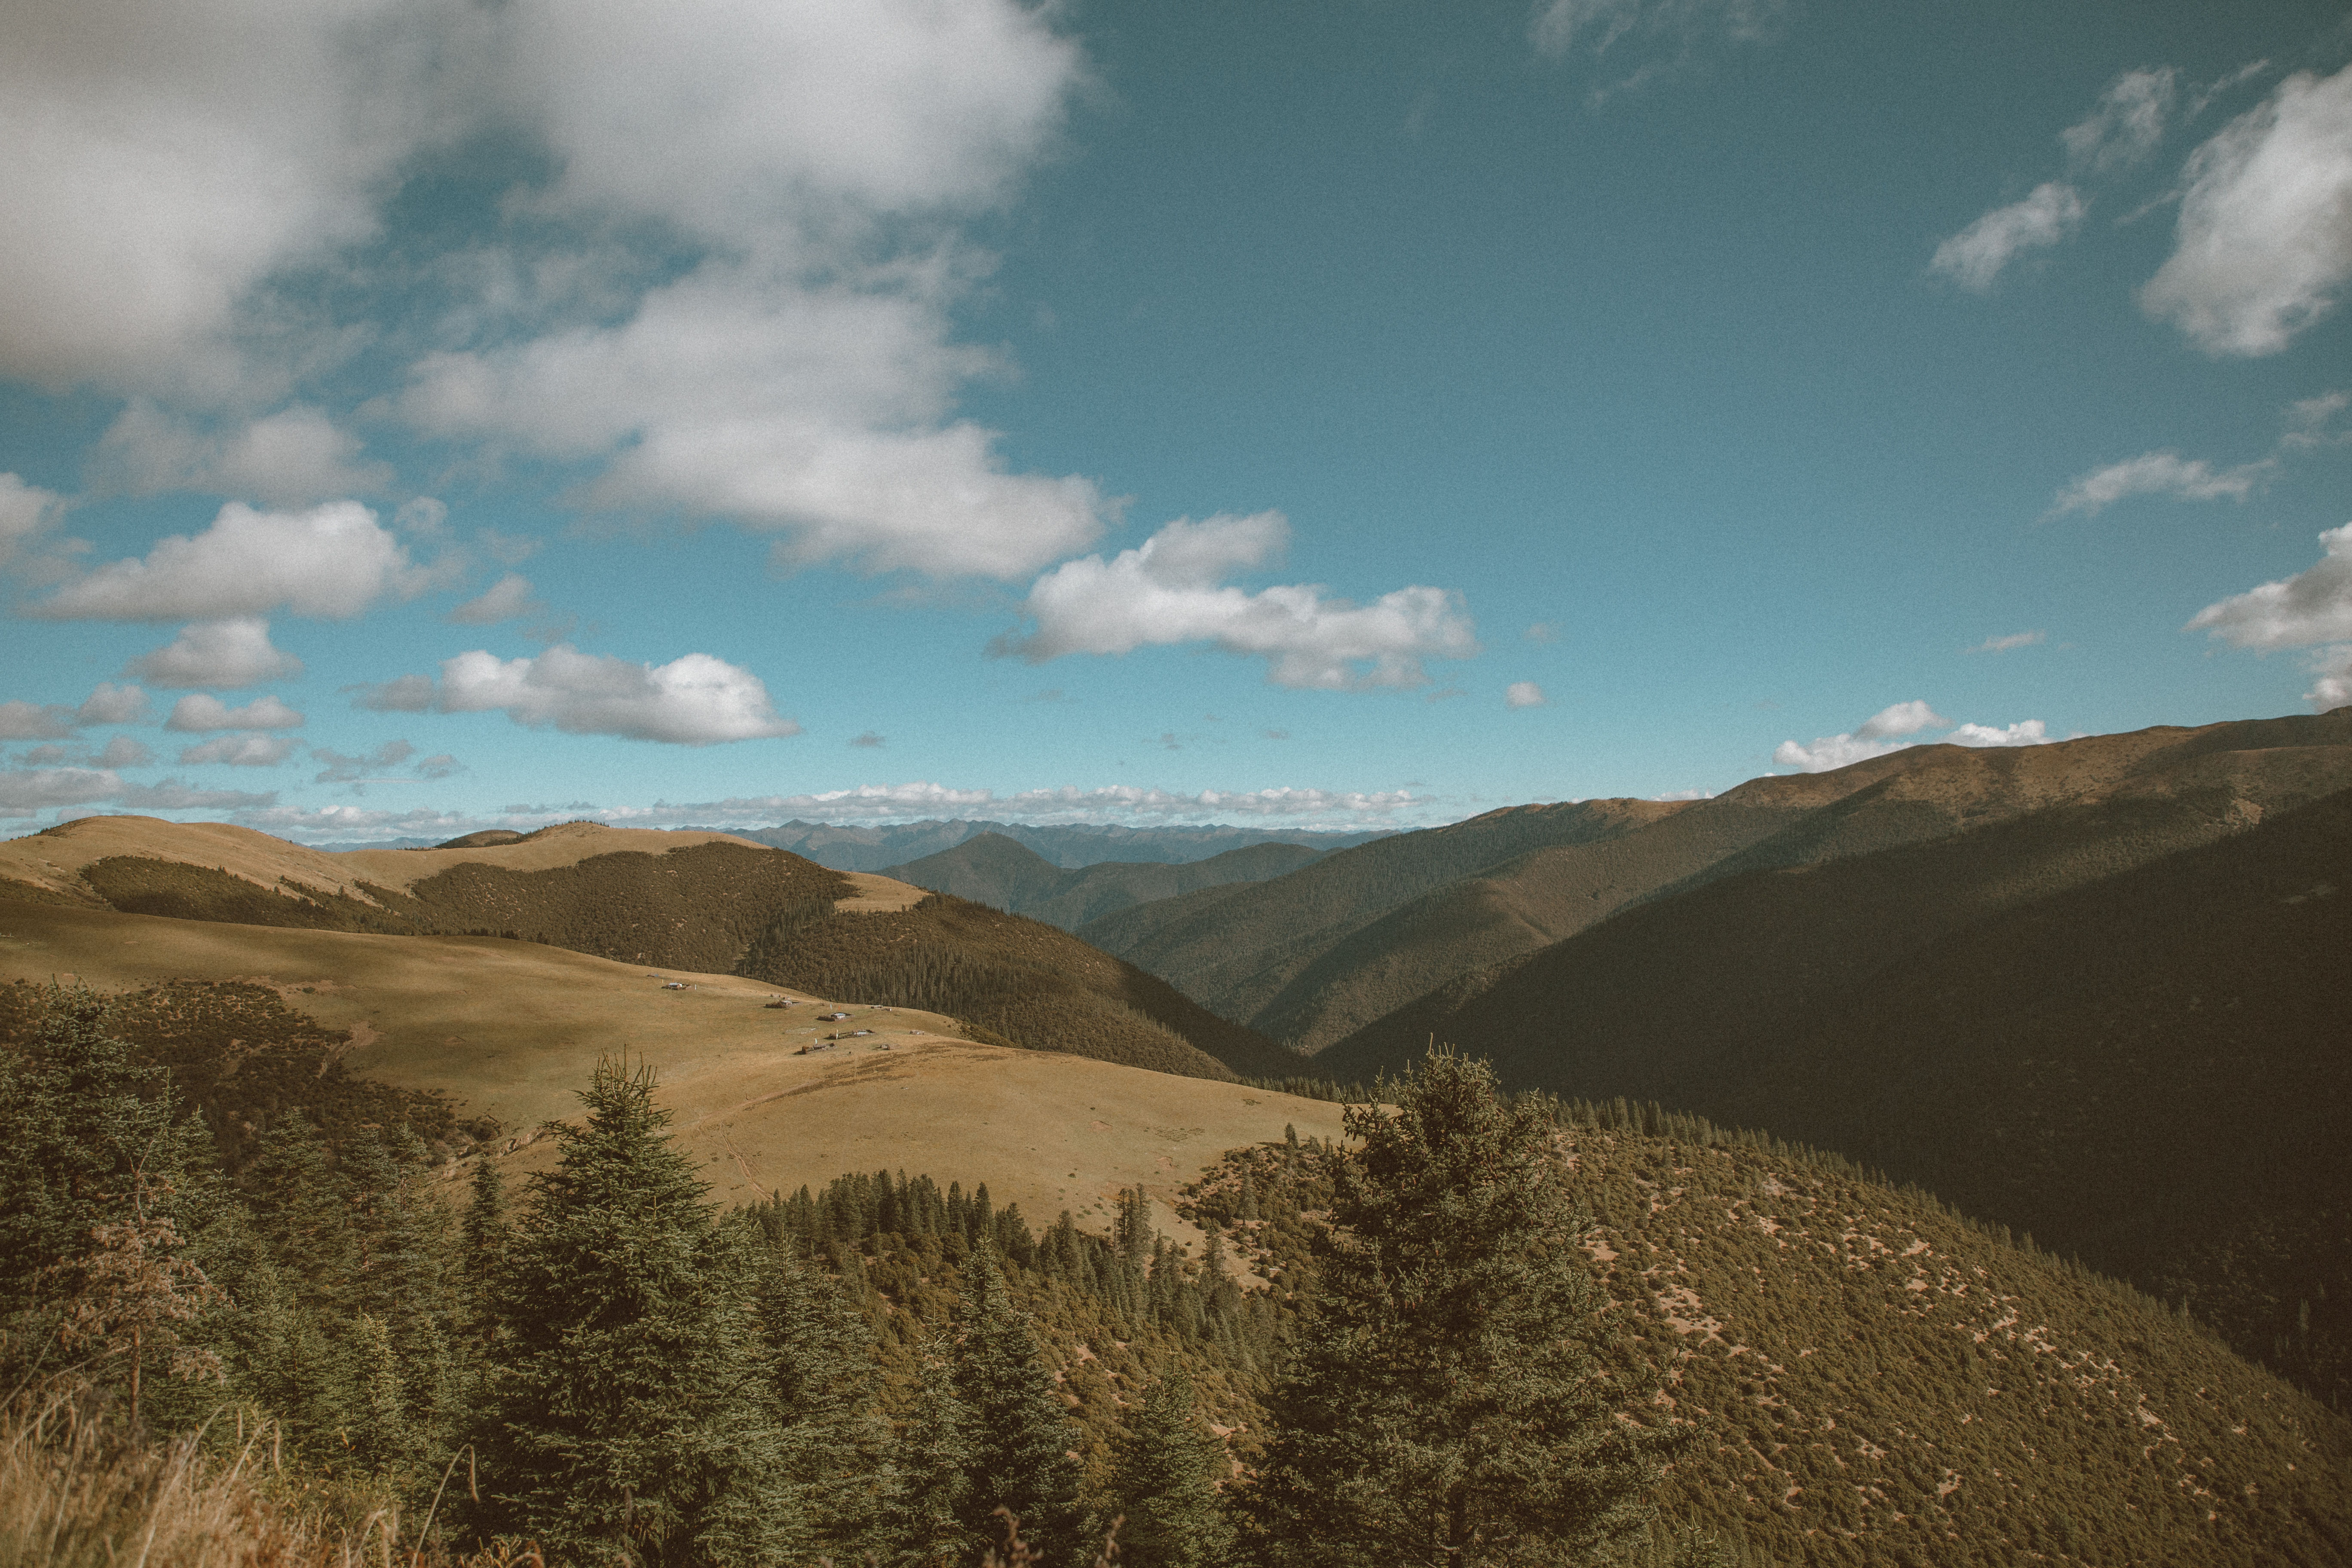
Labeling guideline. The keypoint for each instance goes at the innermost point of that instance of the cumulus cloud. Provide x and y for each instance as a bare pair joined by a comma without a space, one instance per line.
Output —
26,512
341,768
440,766
2331,684
2012,641
1169,589
1525,694
1891,729
240,750
202,713
2262,246
290,459
1975,256
22,721
2158,473
2314,606
229,653
508,599
695,700
1899,719
2127,123
107,704
112,704
330,563
728,292
25,792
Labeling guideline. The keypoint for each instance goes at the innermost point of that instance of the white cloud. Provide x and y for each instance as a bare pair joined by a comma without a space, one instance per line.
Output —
1167,590
23,793
2030,733
2012,641
2331,685
2127,123
1118,803
1525,694
108,704
22,721
240,750
2263,243
2158,473
814,413
1542,631
292,457
332,563
695,700
341,768
1885,732
202,712
507,599
123,752
26,512
217,653
1685,794
112,704
165,159
1900,718
2314,606
731,292
1974,258
1673,30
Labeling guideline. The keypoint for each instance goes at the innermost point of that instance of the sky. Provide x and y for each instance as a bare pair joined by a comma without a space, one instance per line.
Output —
423,416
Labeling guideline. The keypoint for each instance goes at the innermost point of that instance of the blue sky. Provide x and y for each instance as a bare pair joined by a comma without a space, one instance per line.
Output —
1326,414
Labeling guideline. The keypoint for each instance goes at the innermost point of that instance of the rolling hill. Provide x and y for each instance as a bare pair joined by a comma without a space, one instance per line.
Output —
697,902
1312,957
1876,1380
507,1031
994,869
2119,1026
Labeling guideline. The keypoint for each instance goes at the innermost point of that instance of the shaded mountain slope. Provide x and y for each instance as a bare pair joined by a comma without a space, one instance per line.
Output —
1878,1380
1234,952
994,869
1069,846
2120,1026
702,903
1310,958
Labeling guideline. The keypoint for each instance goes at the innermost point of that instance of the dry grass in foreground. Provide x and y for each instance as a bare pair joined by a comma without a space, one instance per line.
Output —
75,1493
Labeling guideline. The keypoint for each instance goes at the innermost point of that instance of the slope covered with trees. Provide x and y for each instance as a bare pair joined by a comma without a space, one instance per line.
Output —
1309,958
993,868
2144,1067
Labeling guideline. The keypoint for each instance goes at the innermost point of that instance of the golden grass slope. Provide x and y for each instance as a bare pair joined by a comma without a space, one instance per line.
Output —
53,860
511,1029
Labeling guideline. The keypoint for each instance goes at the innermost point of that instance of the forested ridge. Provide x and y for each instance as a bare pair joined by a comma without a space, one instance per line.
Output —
875,1365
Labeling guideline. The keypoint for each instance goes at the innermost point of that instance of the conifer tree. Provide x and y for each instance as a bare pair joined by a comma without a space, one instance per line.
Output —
1442,1404
1020,1432
821,1376
1164,1479
924,1503
631,1417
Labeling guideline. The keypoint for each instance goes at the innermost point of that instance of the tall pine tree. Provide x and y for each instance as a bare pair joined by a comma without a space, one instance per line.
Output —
1020,1433
1164,1479
632,1414
1443,1404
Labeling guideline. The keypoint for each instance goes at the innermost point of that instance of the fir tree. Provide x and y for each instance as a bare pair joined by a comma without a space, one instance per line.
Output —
631,1417
821,1376
1443,1404
924,1503
1021,1434
1164,1479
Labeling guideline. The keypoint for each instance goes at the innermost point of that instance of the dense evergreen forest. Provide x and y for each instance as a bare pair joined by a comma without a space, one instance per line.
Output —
278,1292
